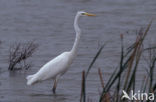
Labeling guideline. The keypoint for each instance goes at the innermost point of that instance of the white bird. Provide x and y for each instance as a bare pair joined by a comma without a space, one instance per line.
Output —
60,64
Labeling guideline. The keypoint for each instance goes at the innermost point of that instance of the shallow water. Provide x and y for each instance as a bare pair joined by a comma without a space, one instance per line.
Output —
50,24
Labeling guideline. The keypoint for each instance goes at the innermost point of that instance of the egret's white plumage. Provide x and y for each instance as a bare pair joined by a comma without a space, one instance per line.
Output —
50,70
59,65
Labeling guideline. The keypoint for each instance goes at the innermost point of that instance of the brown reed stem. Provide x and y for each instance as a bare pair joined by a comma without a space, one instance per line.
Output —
101,78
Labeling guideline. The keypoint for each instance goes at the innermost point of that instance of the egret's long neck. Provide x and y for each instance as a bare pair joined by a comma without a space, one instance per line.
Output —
78,34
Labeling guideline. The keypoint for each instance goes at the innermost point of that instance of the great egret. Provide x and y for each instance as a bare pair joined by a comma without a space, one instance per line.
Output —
60,64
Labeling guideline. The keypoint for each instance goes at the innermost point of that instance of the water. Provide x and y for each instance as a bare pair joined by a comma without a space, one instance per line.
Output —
50,24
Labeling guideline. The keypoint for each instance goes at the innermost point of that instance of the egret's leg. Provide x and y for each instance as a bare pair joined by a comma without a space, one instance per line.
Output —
55,84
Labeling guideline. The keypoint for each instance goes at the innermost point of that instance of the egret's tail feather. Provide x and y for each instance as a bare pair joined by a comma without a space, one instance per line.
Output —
31,79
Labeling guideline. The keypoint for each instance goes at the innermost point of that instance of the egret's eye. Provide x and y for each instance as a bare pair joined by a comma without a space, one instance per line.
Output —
83,13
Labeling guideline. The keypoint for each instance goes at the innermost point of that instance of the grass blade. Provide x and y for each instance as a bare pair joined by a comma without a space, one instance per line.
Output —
94,59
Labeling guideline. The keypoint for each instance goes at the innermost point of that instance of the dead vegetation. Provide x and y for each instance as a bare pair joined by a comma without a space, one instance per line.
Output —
19,53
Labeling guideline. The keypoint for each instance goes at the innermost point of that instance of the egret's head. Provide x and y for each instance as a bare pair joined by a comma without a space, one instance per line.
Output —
82,13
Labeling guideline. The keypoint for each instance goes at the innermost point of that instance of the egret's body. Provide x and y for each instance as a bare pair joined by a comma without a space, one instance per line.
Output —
48,72
59,65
